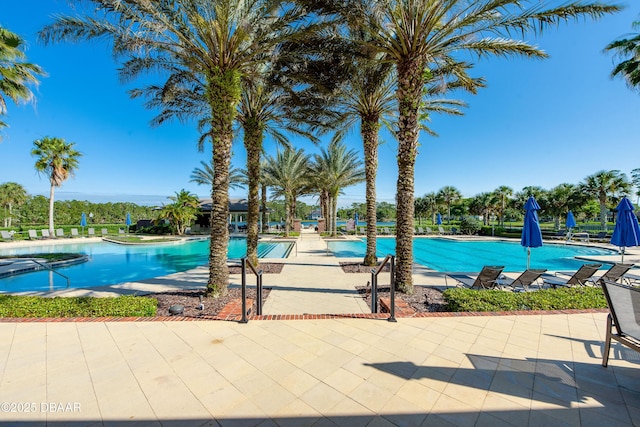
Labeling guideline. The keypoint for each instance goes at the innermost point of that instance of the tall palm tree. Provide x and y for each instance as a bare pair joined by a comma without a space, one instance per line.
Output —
503,193
12,194
287,174
221,43
628,49
448,195
562,198
417,35
606,187
205,175
482,204
15,75
58,160
339,168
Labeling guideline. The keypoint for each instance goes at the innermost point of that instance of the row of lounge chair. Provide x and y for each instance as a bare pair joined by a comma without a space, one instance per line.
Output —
45,234
491,277
419,231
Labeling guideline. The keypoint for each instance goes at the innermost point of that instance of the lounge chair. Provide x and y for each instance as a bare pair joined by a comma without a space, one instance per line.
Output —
45,233
6,235
454,230
441,230
616,272
522,282
428,231
120,230
386,231
33,235
581,277
91,232
624,303
104,232
74,232
486,279
59,232
419,231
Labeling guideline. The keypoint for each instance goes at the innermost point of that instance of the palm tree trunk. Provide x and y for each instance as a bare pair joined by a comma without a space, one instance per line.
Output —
334,210
223,97
409,95
603,214
51,195
10,213
253,145
369,133
263,199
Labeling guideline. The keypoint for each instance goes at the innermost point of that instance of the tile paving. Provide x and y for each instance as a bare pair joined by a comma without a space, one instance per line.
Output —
510,370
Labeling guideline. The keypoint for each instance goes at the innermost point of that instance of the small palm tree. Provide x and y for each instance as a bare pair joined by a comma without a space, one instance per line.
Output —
12,194
562,198
15,75
287,173
58,160
627,48
503,193
606,187
182,211
448,195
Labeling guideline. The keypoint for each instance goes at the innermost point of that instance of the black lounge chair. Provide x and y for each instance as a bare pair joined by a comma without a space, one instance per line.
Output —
624,304
616,272
486,279
581,277
526,279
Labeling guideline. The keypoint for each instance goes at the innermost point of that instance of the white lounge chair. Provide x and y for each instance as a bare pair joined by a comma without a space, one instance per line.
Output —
91,232
33,235
104,232
45,233
59,232
74,232
6,235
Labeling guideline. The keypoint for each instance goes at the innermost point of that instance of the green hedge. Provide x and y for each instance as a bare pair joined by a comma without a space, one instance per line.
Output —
459,299
31,306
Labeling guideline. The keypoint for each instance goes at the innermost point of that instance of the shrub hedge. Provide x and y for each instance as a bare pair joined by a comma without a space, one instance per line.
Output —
459,299
32,306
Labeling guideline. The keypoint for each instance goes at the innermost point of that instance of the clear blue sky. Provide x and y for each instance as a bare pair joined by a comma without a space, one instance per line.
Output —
537,123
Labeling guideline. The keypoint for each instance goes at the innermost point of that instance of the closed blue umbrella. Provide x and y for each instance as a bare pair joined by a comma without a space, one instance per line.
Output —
128,221
438,219
531,234
83,220
571,221
626,232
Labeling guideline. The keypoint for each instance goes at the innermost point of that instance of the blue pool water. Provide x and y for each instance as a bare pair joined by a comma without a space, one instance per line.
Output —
453,255
111,263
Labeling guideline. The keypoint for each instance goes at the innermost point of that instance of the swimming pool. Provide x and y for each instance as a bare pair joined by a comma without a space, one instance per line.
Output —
459,255
112,263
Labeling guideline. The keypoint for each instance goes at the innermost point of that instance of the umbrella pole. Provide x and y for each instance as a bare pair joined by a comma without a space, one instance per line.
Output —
528,257
622,252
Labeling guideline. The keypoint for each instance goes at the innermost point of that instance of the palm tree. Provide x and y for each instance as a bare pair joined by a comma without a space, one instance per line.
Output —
482,204
606,187
503,193
11,194
204,176
219,43
339,168
182,211
419,35
15,75
58,160
627,48
448,195
562,198
287,174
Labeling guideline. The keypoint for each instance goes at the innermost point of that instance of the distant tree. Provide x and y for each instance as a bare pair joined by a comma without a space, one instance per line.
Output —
58,160
182,211
635,179
606,187
12,194
482,205
562,199
287,173
448,195
628,49
15,75
503,194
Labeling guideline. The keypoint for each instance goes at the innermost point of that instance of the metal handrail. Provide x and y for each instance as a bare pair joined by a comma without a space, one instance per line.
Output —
48,267
258,274
392,287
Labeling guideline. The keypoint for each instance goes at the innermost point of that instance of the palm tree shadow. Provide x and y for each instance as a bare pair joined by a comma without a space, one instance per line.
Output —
557,382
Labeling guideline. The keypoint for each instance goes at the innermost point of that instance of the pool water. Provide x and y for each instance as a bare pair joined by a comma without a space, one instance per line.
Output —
112,263
457,255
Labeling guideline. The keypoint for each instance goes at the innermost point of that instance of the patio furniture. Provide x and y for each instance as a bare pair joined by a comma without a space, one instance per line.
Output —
33,235
624,304
419,231
6,235
45,233
616,272
524,281
91,232
74,232
59,232
104,232
581,277
486,279
441,230
120,230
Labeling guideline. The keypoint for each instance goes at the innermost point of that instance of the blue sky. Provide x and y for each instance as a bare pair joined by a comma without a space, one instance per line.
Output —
539,122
